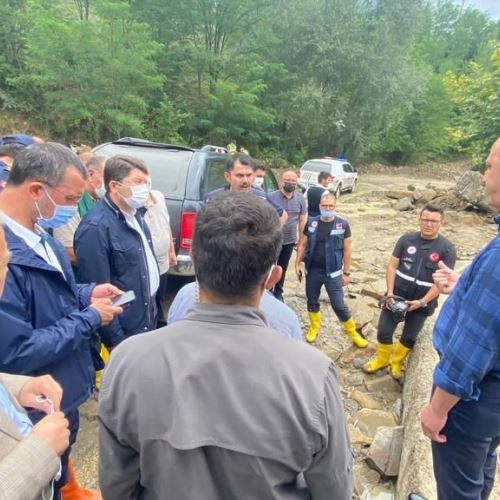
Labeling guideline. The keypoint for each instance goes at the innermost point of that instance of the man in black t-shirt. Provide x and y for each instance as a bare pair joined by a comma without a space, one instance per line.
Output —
325,248
409,275
314,194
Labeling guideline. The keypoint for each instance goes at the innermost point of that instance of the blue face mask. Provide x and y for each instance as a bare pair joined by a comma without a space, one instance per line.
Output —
327,214
61,216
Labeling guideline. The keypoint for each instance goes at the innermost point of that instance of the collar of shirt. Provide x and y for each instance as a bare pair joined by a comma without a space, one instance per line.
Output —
31,238
130,217
234,314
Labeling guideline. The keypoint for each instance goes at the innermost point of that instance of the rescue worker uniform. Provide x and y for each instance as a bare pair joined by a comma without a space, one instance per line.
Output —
418,260
324,258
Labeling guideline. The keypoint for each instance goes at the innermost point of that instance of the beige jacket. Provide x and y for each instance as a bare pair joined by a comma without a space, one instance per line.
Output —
27,465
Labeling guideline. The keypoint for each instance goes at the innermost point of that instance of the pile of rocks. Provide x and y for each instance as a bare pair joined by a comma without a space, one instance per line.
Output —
468,194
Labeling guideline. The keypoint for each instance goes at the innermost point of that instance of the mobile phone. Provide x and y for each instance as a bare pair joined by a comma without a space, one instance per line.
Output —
124,300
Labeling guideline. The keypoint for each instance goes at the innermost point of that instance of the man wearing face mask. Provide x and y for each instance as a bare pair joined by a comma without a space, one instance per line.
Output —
259,175
325,248
47,319
294,204
94,191
113,244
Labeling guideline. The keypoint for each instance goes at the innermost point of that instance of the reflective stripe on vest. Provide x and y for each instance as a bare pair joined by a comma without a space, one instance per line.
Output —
413,280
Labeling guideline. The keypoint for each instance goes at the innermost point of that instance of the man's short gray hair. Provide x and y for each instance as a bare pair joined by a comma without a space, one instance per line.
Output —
96,163
45,163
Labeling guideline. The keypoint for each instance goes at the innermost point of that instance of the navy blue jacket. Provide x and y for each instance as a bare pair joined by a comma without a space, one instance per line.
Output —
260,193
108,250
46,323
334,245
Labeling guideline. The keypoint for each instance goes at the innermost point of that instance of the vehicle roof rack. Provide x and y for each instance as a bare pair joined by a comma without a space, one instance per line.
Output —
133,141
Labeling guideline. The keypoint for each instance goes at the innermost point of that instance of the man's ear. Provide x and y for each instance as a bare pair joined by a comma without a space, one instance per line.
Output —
35,190
274,277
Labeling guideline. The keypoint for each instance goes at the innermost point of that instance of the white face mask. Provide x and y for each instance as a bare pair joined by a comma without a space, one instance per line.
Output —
140,195
100,191
258,182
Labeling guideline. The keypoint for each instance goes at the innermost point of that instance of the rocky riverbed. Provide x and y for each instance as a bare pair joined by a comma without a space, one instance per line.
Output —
371,401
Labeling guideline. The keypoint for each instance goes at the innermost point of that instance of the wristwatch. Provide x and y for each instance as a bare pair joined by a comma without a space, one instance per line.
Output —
422,303
346,273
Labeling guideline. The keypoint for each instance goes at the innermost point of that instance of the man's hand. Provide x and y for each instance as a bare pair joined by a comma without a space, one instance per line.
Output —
106,310
105,291
41,386
345,280
432,423
445,278
172,259
53,429
283,218
298,270
413,305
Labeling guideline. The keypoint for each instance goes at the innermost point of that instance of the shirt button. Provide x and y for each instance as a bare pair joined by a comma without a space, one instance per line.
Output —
145,303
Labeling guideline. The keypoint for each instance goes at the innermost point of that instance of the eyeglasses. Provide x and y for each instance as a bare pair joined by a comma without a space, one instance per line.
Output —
430,221
70,199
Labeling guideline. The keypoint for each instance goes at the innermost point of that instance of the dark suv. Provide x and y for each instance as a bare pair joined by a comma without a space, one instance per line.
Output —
184,175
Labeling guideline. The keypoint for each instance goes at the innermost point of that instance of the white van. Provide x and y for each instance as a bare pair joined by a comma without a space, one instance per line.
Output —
344,177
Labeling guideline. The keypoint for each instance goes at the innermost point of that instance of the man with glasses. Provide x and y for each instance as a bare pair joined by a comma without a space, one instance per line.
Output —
46,318
113,244
325,248
409,276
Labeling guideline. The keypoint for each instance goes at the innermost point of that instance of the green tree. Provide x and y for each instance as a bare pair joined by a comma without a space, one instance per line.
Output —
476,95
91,79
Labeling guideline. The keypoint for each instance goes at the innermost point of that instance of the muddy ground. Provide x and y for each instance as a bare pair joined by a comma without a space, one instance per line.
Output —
376,227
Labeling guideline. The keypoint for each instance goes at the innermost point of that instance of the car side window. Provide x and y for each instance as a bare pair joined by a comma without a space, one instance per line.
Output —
214,175
270,183
347,168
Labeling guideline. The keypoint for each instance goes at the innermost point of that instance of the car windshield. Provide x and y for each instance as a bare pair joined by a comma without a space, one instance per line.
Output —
316,166
168,167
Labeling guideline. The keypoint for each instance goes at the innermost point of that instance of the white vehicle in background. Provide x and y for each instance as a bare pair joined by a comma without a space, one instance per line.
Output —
344,176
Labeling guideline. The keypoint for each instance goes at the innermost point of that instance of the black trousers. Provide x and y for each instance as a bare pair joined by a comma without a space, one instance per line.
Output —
283,260
315,279
465,465
414,321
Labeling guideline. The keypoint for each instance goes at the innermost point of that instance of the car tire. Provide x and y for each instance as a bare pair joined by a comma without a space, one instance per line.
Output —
338,191
353,187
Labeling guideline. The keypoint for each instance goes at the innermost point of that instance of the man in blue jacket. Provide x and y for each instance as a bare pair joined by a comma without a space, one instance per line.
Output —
113,244
47,319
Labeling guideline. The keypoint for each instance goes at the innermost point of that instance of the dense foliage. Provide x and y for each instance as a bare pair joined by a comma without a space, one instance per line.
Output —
394,79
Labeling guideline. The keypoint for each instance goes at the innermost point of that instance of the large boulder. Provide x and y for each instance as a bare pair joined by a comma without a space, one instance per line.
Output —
384,454
404,204
470,188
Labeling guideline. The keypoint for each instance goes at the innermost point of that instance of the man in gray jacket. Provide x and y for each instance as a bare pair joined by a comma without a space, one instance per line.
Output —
219,406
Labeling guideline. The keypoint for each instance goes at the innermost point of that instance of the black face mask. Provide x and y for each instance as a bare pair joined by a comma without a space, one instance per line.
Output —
289,187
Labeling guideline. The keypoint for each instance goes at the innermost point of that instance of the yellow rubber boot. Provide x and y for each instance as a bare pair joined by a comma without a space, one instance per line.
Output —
104,353
350,328
398,359
381,360
315,321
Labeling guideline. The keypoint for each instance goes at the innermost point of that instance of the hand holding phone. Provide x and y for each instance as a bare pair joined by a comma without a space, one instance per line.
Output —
124,300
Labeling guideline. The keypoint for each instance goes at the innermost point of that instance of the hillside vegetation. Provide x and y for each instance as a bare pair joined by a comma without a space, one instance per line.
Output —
396,80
